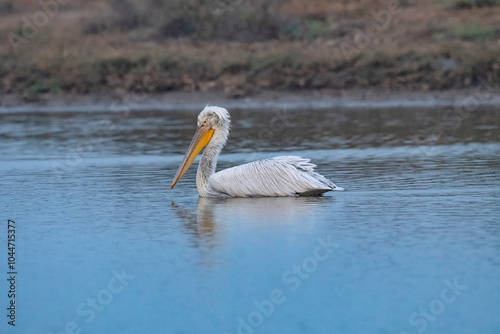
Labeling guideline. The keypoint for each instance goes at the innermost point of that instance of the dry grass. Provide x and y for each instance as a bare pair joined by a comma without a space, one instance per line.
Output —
157,46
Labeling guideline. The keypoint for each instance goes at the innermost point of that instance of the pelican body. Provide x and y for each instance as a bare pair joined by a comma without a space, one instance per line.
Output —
279,176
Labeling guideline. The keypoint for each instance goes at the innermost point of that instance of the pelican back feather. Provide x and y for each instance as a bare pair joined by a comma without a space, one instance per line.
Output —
279,176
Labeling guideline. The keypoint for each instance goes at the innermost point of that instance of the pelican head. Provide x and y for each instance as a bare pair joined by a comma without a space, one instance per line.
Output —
217,117
213,128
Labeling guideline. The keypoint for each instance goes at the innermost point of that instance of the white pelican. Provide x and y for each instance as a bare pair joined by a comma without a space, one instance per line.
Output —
279,176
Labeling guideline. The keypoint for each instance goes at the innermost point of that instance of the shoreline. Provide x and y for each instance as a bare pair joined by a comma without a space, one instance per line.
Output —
303,99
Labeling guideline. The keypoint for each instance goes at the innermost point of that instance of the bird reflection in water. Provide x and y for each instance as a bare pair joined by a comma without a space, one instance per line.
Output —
215,216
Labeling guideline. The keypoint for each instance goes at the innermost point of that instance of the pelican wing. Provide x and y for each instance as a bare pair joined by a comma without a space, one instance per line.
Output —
279,176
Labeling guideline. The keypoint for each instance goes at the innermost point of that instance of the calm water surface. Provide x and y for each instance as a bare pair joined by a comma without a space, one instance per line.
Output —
104,245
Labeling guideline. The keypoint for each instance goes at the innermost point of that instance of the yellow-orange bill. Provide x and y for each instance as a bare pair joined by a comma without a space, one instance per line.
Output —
199,141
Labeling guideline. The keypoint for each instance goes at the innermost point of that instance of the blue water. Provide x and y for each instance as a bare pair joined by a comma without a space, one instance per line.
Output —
105,246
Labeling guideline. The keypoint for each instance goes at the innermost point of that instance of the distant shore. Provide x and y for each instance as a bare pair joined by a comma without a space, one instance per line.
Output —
102,54
303,99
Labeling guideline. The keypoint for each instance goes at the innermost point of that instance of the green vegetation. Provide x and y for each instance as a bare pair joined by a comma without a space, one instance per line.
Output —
475,33
318,29
38,88
470,32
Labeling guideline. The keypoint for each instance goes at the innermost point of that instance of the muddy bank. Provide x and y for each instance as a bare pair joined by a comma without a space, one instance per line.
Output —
314,99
